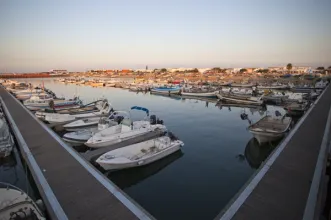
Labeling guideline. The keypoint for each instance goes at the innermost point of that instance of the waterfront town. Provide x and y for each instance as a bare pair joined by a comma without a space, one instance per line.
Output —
190,74
165,110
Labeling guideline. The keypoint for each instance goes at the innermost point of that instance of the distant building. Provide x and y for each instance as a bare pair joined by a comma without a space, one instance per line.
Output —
301,69
58,72
277,68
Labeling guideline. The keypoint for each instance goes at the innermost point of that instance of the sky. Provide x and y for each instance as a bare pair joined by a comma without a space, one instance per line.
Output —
39,35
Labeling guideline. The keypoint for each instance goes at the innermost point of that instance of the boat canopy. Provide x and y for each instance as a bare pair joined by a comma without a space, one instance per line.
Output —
141,108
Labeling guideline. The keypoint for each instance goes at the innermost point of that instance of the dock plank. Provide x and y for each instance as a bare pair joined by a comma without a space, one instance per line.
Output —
282,193
80,194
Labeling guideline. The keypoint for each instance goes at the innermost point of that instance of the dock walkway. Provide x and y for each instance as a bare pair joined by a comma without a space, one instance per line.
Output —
281,189
81,191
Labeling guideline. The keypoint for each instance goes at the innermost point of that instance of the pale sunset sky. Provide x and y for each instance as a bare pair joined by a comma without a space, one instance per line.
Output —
39,35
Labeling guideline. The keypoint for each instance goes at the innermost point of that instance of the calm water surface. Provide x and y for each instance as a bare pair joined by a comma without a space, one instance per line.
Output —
219,155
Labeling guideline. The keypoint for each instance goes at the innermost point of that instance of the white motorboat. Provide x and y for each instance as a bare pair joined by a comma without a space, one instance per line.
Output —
100,122
238,98
6,139
139,154
270,128
16,204
36,103
79,137
125,131
82,124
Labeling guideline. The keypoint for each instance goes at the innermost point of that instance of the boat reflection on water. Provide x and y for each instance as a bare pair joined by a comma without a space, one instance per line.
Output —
184,98
8,162
255,153
171,96
252,108
129,177
211,100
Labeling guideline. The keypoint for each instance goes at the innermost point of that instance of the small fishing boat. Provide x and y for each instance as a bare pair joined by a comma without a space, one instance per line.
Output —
26,91
6,139
221,105
23,97
274,98
139,154
296,108
248,85
321,84
55,119
125,131
275,86
16,204
239,98
98,84
36,103
166,90
199,92
95,109
270,128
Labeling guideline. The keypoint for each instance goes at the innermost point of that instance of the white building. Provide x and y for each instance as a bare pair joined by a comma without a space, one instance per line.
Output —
58,72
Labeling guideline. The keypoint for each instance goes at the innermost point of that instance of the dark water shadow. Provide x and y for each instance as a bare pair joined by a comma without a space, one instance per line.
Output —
132,176
255,154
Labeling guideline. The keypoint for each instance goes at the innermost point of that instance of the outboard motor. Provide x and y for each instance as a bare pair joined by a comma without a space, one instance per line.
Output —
172,136
152,119
158,121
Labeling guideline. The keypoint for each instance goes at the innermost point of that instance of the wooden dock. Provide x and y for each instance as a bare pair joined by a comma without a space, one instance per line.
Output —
289,184
70,187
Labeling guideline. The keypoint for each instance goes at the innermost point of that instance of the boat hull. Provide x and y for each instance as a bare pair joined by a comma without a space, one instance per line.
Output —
79,137
199,94
106,143
140,162
263,137
46,106
115,137
239,101
79,128
166,91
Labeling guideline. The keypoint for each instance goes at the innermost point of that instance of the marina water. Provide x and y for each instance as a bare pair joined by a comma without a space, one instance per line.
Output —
219,155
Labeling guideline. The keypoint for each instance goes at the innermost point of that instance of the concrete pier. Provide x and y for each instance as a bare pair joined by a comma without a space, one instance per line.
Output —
290,183
70,187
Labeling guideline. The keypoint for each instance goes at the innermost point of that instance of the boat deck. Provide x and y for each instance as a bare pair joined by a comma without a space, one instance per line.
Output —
80,190
272,123
284,186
